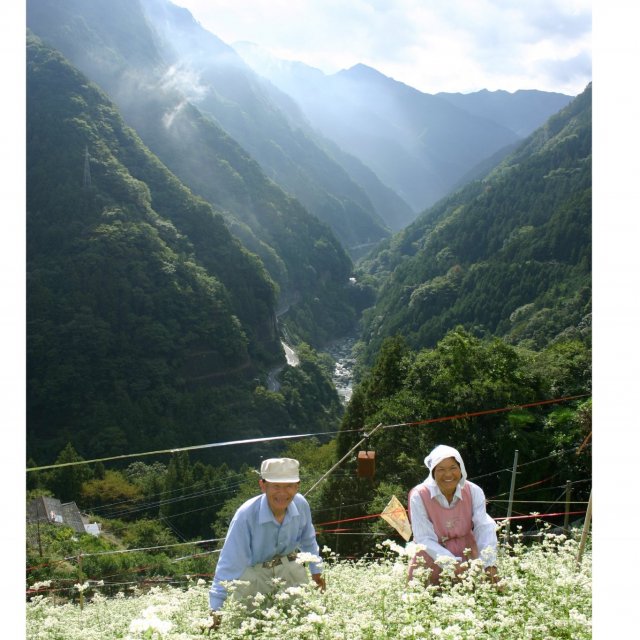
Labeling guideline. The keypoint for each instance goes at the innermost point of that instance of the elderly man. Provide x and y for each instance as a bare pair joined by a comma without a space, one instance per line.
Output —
264,537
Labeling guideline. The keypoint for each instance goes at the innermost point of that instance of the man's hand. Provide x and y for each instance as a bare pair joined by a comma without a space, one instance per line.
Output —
216,619
319,580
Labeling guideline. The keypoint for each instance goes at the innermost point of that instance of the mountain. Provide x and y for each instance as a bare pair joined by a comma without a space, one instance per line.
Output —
522,111
509,255
185,59
257,115
123,307
113,43
418,144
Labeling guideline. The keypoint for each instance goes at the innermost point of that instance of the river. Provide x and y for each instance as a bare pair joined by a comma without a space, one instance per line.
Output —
342,352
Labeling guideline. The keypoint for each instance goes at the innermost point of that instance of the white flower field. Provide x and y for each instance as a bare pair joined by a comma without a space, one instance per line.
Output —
544,594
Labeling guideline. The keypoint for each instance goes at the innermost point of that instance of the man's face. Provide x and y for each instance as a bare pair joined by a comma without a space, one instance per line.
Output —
279,494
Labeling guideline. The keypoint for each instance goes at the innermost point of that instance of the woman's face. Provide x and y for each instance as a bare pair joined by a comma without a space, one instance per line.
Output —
447,474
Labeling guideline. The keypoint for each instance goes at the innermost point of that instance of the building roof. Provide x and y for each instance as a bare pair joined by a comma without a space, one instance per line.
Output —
51,510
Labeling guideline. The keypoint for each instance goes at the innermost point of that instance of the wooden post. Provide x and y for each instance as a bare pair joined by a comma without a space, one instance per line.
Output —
338,533
585,531
80,578
38,526
567,508
507,532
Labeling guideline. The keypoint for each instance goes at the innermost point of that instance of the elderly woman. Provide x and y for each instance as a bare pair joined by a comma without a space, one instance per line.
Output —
448,516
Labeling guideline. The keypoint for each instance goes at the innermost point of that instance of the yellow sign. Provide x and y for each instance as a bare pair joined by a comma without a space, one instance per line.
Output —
394,513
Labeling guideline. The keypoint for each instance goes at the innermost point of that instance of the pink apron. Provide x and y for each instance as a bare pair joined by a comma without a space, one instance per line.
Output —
454,528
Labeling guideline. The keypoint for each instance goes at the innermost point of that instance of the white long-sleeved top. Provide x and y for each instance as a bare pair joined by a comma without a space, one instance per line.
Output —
484,526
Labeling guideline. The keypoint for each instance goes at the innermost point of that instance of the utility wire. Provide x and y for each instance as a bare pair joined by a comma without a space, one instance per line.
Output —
468,414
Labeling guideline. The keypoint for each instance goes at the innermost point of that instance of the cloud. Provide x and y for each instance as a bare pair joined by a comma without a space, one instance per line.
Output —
457,45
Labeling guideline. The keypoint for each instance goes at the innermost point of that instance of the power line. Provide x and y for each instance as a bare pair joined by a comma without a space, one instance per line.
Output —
179,449
467,414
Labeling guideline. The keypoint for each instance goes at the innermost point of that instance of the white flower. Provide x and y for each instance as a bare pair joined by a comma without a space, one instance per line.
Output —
314,618
151,621
412,548
412,630
41,585
303,557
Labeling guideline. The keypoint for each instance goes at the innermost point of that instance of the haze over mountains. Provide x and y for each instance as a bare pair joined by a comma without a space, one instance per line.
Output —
362,152
419,144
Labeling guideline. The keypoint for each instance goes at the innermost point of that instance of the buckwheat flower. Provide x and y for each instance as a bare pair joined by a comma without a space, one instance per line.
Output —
303,557
410,631
446,561
41,585
49,622
314,618
413,547
394,546
200,582
410,598
81,587
294,591
150,621
580,618
232,585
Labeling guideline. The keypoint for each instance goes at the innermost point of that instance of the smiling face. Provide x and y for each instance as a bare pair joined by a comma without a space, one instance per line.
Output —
447,474
279,496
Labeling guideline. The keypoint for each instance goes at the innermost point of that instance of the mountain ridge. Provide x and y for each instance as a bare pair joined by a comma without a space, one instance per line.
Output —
421,145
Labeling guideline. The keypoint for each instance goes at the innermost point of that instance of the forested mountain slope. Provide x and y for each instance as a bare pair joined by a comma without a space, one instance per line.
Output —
267,124
158,64
149,324
509,255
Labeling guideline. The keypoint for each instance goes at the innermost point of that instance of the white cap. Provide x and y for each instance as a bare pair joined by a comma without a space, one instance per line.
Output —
280,470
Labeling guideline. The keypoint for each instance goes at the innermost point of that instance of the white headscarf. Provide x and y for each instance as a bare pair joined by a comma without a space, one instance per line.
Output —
440,453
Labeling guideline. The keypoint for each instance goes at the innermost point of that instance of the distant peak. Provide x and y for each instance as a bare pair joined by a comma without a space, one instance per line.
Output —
362,71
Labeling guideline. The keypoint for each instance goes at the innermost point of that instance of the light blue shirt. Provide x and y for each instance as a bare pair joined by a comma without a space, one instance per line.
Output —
255,536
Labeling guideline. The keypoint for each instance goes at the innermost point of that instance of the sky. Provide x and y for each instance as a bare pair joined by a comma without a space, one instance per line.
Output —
431,45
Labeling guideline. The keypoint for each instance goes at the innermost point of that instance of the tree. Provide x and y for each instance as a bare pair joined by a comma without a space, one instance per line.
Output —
66,481
112,488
